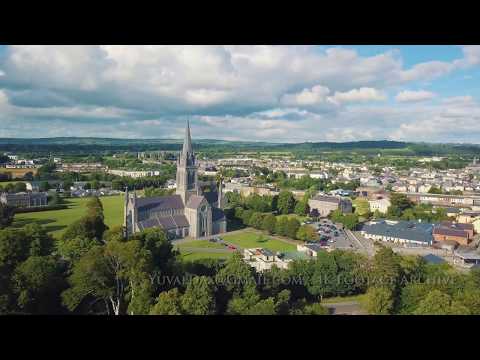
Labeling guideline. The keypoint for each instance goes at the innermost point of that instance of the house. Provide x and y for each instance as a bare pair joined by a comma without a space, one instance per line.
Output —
24,199
433,259
466,256
403,232
311,250
468,217
447,230
35,185
263,259
326,204
381,205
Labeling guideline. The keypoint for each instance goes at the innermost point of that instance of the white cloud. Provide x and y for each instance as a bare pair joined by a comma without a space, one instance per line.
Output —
363,94
290,93
459,100
414,96
314,96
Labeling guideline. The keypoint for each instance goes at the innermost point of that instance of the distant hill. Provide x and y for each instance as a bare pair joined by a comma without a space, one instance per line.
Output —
92,144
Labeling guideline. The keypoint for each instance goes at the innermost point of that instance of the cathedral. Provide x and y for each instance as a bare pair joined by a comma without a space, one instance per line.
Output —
190,212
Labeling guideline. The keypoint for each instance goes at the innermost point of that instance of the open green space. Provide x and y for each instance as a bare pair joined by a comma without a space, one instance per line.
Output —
56,221
191,256
361,298
250,239
5,183
200,244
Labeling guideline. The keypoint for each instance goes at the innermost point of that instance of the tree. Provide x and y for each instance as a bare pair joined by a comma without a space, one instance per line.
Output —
306,233
398,204
168,303
435,190
286,202
38,282
439,303
113,273
350,221
199,298
386,269
20,187
281,226
269,223
412,294
235,276
362,207
292,227
315,309
379,301
256,220
314,214
246,216
95,184
44,186
7,214
302,208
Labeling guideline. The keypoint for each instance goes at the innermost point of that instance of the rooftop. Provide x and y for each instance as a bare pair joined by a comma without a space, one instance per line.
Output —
407,230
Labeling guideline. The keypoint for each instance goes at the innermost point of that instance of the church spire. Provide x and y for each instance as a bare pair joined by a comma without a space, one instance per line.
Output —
187,141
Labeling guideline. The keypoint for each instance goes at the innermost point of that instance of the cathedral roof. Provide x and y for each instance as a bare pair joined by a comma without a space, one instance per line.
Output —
160,202
165,222
194,201
187,141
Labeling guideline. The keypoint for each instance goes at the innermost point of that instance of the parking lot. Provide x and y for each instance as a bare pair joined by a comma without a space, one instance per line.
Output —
332,235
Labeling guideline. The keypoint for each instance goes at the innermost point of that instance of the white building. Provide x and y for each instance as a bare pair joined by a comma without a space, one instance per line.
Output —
381,205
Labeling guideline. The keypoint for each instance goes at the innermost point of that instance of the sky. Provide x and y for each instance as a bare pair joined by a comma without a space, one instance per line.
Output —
248,93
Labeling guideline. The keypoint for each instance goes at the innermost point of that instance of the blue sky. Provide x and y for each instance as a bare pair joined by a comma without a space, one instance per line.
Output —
265,93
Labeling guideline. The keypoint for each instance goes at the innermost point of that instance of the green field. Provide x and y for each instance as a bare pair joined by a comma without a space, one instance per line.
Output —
200,244
338,299
5,183
250,239
191,256
56,221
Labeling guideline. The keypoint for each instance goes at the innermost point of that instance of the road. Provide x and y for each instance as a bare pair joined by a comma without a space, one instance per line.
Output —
364,245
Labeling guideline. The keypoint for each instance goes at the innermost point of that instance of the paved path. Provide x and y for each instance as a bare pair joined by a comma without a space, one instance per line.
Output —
345,308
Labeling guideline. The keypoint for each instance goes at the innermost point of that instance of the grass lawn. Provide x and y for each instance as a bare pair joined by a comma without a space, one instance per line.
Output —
250,239
56,221
298,217
360,298
5,183
200,244
191,256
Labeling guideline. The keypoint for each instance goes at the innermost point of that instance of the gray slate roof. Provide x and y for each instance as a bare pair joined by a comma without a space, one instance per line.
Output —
331,199
160,202
407,230
166,222
194,201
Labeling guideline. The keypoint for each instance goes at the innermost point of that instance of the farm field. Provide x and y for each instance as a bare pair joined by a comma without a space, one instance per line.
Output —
56,221
250,239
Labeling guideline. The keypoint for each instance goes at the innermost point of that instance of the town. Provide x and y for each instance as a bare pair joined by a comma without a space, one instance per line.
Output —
239,180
